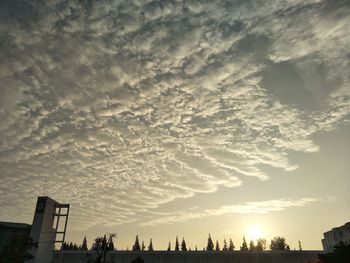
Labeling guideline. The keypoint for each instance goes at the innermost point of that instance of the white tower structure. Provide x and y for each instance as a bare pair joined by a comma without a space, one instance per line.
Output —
47,228
335,237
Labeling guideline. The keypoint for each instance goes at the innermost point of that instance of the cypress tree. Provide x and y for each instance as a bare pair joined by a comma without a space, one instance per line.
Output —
150,247
169,247
244,246
143,246
231,246
225,248
217,246
210,244
177,246
251,245
183,245
84,245
136,246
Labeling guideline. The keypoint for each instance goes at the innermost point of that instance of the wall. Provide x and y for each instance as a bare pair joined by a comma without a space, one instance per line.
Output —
194,256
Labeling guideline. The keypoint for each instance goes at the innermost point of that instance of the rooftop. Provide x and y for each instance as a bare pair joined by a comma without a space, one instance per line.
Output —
13,224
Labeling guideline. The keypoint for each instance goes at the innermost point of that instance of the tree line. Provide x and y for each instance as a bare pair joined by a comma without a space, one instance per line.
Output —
103,245
277,243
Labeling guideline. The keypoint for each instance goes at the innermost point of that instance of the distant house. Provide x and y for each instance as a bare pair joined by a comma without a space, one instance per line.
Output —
336,236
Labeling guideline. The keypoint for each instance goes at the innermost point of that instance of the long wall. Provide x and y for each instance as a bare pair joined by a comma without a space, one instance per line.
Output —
193,257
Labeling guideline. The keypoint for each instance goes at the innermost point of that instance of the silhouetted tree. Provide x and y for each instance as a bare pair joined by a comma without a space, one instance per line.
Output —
217,246
64,246
278,243
244,246
70,246
251,245
300,246
143,247
183,245
101,246
196,249
169,247
340,254
231,246
210,244
260,244
16,249
225,248
177,246
110,243
84,245
136,246
150,247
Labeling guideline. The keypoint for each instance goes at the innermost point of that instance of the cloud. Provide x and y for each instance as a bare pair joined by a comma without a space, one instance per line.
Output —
137,103
262,207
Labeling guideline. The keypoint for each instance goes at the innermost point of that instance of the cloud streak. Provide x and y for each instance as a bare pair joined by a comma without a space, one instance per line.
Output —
262,207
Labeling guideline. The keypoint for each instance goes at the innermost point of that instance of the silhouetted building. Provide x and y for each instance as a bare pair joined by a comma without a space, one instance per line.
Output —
336,236
7,229
48,228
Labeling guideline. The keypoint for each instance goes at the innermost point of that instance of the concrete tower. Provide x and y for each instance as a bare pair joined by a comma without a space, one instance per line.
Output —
47,230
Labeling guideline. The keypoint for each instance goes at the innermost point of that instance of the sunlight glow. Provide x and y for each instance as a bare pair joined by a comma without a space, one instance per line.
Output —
255,233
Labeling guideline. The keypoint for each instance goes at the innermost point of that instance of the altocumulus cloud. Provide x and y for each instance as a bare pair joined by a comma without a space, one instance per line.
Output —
136,103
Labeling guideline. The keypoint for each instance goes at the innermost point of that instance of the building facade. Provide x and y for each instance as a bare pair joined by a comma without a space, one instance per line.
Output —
336,236
48,228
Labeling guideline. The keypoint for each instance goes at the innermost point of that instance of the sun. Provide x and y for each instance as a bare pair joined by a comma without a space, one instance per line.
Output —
255,232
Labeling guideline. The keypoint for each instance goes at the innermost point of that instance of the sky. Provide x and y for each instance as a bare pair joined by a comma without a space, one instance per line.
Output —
164,118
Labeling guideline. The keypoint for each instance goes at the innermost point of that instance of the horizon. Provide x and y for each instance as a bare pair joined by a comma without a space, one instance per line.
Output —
178,118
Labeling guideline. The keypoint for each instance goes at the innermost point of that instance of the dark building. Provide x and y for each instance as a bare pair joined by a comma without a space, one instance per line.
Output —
9,228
